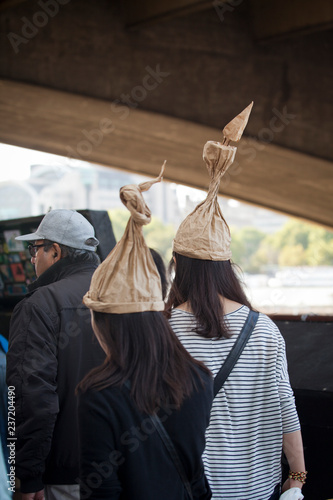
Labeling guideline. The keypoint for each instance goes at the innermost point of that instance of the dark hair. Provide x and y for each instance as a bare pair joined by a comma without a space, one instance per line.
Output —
201,283
161,269
143,349
74,254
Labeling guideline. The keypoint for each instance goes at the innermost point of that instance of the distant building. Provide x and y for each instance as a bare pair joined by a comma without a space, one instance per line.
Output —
80,187
239,215
163,202
17,199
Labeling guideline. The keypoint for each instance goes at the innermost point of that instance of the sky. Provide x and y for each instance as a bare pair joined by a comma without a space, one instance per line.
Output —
15,161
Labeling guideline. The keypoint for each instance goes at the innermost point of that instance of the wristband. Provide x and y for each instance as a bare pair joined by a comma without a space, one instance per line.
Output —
298,476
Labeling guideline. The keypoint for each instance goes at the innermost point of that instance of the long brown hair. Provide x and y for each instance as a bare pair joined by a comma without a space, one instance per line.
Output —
201,283
143,349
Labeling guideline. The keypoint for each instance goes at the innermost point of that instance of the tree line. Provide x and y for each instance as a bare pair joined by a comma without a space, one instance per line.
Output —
297,243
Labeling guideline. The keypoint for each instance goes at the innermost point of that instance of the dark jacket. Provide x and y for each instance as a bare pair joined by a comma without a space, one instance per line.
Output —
123,457
51,348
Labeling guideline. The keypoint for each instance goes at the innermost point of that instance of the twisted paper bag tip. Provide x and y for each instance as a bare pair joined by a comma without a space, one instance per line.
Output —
219,156
144,186
233,131
133,200
205,234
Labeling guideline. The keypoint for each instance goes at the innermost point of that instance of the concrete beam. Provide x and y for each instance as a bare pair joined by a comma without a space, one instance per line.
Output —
102,132
278,19
147,11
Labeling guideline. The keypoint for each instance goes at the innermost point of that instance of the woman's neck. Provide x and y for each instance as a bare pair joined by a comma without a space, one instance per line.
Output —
229,306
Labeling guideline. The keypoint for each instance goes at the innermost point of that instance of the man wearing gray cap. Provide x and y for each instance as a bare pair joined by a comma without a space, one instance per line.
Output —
51,348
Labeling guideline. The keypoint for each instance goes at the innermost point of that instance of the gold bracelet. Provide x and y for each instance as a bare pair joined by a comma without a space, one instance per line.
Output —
298,476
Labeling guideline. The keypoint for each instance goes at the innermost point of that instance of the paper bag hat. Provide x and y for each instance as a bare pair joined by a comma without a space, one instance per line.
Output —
128,280
204,234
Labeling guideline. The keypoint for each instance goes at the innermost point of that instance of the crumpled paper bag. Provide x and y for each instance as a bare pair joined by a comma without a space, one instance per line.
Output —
292,494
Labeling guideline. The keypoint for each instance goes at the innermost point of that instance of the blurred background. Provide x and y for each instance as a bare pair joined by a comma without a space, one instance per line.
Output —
95,95
111,89
285,263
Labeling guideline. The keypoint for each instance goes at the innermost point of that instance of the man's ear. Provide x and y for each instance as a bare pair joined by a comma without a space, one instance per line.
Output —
56,252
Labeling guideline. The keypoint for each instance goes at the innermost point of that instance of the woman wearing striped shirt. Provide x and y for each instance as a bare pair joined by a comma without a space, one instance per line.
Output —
253,415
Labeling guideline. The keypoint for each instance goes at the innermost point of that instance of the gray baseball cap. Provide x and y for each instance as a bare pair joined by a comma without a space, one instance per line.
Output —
66,227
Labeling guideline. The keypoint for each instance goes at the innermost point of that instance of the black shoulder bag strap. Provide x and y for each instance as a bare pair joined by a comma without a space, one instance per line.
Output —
236,351
172,451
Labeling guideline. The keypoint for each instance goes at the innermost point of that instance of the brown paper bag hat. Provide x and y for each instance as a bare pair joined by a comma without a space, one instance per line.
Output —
204,234
128,280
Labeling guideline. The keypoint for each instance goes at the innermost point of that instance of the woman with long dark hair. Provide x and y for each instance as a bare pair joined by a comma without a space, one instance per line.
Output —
143,413
210,289
253,414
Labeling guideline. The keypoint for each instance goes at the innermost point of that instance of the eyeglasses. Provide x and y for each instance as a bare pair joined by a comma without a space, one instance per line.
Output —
33,248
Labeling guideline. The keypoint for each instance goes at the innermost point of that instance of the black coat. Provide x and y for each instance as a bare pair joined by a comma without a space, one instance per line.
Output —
51,348
123,457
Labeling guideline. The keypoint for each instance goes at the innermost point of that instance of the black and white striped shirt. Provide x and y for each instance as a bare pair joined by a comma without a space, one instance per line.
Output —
251,411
